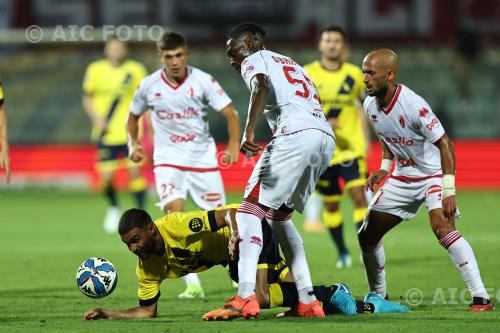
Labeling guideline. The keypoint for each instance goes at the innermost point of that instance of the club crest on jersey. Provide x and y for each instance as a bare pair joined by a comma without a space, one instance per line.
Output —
423,112
196,224
374,118
402,121
190,92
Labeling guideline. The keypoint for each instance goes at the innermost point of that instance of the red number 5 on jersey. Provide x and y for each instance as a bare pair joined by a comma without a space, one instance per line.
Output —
288,70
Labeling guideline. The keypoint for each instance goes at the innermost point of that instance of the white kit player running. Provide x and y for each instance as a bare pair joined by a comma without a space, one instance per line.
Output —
287,171
185,155
411,135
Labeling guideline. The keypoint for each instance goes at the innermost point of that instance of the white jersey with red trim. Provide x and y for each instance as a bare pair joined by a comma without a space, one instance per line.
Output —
409,128
181,132
293,103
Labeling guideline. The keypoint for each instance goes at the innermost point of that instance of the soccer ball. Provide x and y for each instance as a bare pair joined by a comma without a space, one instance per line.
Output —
96,277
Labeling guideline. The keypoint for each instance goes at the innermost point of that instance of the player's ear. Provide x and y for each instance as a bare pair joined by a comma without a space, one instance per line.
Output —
391,76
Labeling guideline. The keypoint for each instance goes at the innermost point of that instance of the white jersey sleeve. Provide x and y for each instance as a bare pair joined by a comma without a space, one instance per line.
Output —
252,66
214,94
139,104
425,120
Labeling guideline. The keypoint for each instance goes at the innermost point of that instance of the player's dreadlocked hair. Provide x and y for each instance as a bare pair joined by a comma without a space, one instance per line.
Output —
133,218
251,27
171,40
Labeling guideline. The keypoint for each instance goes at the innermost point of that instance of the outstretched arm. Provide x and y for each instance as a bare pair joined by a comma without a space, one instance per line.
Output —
137,312
448,166
258,100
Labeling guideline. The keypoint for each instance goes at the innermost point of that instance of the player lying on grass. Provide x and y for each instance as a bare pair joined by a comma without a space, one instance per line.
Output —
182,243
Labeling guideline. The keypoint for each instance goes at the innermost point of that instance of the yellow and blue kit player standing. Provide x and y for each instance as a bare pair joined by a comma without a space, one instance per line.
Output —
342,91
108,88
4,142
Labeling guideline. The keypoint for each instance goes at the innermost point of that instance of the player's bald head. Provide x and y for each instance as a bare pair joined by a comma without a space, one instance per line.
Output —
380,69
384,59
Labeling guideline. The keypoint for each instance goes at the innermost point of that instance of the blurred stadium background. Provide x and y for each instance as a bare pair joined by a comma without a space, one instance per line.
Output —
450,54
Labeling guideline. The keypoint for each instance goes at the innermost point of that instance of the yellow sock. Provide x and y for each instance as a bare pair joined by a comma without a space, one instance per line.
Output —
332,219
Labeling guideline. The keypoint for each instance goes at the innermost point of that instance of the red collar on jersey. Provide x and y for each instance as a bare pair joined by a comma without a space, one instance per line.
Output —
394,100
170,84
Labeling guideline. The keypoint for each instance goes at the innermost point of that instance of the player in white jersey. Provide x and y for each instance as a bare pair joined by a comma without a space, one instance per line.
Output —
411,135
185,155
287,171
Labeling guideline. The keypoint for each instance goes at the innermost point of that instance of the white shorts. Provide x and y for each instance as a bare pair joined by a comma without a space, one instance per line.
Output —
289,168
404,199
205,188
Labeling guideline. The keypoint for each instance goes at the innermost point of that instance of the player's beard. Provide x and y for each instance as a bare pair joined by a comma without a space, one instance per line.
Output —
148,249
381,91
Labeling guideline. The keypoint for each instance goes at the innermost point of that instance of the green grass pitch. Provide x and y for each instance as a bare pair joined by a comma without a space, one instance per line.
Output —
45,235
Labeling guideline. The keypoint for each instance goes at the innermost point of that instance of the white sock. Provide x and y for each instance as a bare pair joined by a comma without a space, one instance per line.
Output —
463,258
249,219
293,249
192,278
312,210
374,261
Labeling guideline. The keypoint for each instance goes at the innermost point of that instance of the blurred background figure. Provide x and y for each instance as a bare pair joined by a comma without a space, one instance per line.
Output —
4,140
342,91
108,88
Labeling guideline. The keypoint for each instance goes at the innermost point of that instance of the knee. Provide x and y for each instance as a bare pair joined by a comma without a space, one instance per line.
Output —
331,207
363,239
367,241
174,206
441,226
106,179
359,202
442,230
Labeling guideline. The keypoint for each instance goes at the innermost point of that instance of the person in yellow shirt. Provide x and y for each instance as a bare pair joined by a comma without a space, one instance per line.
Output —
4,141
108,88
186,242
342,91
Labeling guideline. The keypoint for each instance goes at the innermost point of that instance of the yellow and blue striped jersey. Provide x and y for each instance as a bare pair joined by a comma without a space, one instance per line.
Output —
112,89
190,246
339,92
